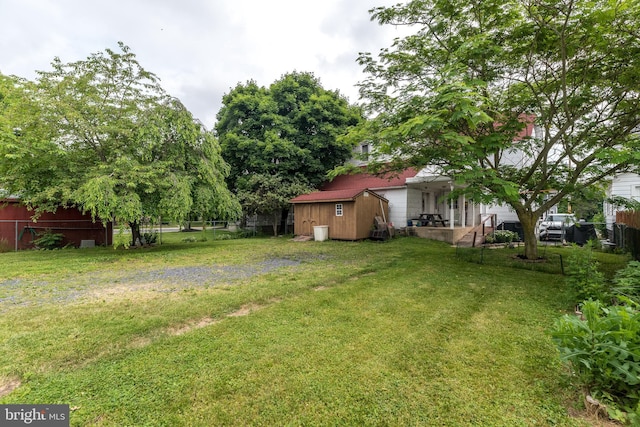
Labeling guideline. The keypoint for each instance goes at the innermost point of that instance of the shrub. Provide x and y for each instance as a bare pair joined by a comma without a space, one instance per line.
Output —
627,281
583,275
240,234
502,236
149,237
48,240
603,350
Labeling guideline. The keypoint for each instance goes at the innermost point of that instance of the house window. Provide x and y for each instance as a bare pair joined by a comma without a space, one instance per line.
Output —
339,210
365,151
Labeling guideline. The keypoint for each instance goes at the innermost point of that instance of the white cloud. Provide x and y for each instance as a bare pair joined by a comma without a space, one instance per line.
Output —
200,49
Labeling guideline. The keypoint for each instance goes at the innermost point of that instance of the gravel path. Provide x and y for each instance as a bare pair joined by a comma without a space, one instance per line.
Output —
170,279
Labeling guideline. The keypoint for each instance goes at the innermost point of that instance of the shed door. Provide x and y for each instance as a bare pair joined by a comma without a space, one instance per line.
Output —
306,216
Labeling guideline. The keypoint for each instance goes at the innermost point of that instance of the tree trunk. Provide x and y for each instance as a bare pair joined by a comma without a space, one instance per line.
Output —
284,226
276,222
528,221
136,237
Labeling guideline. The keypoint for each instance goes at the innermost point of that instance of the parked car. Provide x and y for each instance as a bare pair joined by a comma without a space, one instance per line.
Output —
554,226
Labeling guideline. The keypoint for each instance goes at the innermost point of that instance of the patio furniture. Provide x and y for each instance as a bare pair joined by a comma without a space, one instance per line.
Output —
432,219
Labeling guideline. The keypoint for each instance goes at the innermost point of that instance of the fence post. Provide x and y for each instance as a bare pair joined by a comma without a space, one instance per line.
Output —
561,264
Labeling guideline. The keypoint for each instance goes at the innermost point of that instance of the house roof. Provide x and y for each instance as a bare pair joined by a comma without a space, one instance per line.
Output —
348,194
364,180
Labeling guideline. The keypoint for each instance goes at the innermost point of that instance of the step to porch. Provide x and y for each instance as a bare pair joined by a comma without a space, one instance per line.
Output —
467,241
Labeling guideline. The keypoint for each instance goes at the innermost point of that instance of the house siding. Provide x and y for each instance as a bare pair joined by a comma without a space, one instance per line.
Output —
414,203
625,185
503,213
397,211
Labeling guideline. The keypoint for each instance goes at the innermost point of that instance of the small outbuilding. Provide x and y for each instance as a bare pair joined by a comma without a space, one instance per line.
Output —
18,230
350,214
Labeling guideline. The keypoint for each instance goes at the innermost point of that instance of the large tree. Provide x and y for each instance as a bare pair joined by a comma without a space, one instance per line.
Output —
289,131
102,135
458,90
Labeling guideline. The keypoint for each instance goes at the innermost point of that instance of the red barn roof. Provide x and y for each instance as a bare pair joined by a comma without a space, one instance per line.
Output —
365,180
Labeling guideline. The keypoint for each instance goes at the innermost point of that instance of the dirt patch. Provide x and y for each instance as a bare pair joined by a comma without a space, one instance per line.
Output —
320,288
202,323
7,386
140,342
246,310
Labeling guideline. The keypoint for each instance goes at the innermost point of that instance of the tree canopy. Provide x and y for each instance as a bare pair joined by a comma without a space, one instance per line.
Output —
102,135
291,128
457,92
287,134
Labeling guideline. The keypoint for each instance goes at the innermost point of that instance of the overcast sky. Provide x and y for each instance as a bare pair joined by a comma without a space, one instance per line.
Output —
200,49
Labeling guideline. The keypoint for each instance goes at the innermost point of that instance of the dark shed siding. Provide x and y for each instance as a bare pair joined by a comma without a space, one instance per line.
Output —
16,224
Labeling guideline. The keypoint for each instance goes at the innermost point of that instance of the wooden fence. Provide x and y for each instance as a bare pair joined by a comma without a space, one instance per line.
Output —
627,232
629,218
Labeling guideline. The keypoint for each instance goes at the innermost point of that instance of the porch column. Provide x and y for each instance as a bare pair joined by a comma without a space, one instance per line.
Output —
452,211
463,212
473,214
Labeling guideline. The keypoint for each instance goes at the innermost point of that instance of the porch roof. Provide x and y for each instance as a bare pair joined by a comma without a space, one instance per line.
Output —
426,179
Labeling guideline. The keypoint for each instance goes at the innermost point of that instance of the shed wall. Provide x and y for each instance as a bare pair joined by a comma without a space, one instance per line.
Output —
354,224
18,231
368,207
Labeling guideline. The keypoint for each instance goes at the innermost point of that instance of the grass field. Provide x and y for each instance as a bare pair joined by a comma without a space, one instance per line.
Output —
268,331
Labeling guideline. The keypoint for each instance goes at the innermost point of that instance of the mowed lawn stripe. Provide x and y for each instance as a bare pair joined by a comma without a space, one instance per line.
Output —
390,334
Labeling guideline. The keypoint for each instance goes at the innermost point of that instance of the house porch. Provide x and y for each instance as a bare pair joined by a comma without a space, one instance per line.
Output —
443,234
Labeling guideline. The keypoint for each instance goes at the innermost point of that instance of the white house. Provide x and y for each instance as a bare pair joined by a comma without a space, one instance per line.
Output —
625,185
412,193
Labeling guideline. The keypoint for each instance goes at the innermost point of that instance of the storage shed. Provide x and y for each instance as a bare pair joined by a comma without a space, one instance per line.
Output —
18,230
348,213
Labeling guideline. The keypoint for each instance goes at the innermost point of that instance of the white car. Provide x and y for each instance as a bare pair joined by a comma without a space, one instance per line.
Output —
554,226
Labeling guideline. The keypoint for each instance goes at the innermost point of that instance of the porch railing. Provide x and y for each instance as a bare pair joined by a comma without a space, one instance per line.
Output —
490,218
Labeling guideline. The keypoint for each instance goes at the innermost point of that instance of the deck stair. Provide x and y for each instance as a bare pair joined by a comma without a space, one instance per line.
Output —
476,236
468,240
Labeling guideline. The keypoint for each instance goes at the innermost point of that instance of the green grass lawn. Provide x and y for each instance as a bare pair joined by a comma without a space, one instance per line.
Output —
275,332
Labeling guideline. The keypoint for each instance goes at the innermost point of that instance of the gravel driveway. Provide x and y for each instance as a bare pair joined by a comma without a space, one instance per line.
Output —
170,279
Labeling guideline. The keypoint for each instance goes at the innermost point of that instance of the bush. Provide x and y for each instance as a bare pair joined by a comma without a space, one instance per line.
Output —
502,236
603,350
48,240
240,234
149,237
583,275
627,282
